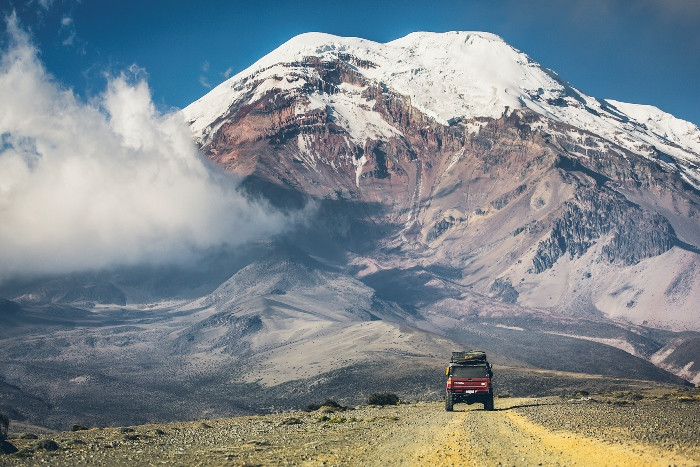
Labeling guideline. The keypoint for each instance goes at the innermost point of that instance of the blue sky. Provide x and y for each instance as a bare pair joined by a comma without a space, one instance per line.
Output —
641,51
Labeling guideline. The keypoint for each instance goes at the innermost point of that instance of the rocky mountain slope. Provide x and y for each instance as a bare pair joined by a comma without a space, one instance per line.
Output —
452,192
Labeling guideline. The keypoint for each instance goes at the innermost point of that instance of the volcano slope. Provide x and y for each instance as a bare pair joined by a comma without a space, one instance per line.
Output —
524,205
457,177
272,340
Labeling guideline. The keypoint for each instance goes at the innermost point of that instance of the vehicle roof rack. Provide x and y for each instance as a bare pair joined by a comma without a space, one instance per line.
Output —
468,356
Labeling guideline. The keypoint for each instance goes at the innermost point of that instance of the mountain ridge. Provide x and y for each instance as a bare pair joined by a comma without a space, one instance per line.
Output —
466,75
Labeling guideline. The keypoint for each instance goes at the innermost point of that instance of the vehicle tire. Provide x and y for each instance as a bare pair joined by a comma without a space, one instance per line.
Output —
448,402
488,403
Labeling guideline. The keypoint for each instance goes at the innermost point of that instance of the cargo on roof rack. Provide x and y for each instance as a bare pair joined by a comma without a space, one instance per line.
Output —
468,356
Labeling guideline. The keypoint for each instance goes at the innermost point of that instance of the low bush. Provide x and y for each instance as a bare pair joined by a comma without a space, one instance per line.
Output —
291,421
46,445
327,419
383,398
330,403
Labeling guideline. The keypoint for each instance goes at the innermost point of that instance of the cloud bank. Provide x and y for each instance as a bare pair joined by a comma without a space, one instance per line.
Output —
111,182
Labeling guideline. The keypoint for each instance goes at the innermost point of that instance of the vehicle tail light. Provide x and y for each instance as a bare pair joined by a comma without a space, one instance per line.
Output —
449,382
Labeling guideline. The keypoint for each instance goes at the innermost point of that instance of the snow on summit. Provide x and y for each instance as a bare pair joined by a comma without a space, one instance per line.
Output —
455,75
447,75
458,74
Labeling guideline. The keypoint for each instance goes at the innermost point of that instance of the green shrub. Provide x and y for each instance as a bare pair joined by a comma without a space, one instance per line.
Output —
46,445
327,403
291,421
383,398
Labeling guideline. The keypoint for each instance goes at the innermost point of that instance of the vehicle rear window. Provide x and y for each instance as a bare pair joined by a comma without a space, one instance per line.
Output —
469,372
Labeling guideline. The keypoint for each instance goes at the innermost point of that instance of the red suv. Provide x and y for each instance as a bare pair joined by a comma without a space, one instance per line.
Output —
469,380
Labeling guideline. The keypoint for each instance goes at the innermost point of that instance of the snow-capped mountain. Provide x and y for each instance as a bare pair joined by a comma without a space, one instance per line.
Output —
451,76
452,194
483,160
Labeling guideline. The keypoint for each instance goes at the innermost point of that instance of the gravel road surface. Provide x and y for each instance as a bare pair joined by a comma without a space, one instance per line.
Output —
647,428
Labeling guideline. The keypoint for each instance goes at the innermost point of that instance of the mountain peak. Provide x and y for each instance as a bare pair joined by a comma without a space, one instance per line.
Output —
330,41
457,75
446,37
448,75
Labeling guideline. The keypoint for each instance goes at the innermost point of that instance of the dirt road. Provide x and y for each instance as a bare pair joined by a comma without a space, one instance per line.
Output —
472,436
610,430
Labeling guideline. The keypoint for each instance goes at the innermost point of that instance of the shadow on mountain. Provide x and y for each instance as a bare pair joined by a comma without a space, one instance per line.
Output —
410,286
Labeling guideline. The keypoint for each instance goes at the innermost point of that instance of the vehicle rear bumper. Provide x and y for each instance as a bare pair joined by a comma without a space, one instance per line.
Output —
469,397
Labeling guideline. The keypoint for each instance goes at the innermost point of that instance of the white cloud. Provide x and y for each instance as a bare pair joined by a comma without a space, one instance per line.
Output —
67,30
45,4
85,186
204,82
